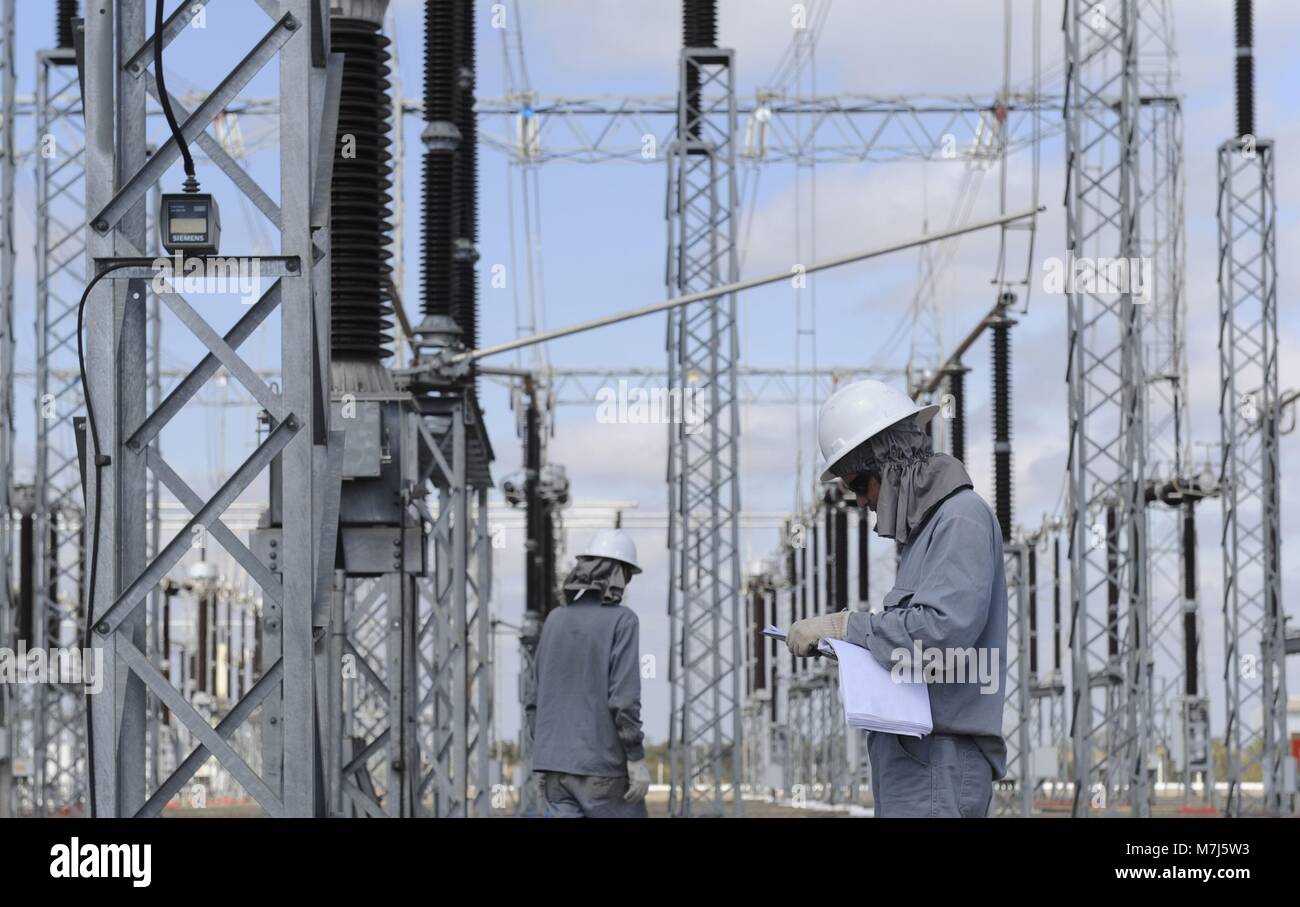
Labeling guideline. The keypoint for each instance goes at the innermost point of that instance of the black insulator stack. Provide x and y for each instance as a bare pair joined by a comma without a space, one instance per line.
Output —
832,568
957,388
466,184
802,586
168,593
258,641
1245,68
201,648
758,679
1189,550
539,547
1033,608
360,212
1112,581
548,561
1002,423
1056,603
864,558
699,23
82,579
65,12
52,578
440,91
27,577
841,600
699,29
1190,643
1135,585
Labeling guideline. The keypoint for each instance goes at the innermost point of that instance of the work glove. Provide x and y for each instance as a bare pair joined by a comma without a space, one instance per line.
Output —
805,634
638,781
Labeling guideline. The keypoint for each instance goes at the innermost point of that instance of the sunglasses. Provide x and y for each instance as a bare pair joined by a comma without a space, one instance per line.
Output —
860,483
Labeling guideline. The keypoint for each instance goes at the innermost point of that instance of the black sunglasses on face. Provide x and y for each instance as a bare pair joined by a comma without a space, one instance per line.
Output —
859,483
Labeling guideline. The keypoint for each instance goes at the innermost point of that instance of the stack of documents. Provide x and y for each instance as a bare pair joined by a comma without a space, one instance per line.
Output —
873,700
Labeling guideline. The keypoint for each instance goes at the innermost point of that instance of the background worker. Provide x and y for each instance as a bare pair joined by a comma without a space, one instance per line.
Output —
949,594
588,738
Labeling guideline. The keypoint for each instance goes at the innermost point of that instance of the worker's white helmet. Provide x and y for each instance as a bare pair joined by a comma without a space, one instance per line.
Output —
860,411
614,544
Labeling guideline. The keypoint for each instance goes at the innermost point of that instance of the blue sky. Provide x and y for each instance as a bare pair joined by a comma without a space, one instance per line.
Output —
603,247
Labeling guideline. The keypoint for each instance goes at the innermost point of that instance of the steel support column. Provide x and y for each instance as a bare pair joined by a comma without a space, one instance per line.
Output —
58,715
8,617
1253,617
119,175
1110,642
703,487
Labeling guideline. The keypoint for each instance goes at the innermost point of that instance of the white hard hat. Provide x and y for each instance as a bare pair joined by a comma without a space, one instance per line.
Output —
614,544
860,411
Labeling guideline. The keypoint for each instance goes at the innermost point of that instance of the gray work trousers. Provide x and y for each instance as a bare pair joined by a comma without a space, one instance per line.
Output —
942,775
590,796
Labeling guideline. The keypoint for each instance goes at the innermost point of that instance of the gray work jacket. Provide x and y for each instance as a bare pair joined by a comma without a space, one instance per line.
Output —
950,596
588,690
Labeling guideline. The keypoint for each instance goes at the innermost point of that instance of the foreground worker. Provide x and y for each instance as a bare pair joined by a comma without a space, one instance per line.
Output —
588,739
949,599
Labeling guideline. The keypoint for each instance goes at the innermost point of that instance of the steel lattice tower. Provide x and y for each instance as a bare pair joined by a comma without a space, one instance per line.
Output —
58,712
119,176
1110,644
703,484
1254,625
9,619
1160,205
1016,715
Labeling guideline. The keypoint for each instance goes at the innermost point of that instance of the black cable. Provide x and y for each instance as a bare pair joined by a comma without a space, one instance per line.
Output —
94,551
191,182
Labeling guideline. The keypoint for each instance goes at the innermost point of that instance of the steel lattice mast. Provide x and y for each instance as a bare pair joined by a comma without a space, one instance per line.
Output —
59,770
1254,624
703,489
1110,644
1179,707
119,176
9,618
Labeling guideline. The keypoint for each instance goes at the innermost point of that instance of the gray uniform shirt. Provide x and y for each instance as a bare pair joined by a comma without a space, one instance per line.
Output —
950,594
588,690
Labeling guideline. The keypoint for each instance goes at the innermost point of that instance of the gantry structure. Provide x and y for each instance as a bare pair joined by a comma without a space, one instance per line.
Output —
410,732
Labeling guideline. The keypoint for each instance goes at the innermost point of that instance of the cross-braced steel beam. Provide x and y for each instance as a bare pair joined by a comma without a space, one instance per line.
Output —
1110,642
1253,619
9,619
454,678
123,444
703,485
1174,612
58,712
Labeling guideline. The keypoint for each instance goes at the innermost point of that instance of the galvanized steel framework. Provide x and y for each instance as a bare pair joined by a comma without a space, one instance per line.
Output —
1175,716
1017,799
58,711
453,669
705,732
8,617
1110,643
118,177
1253,621
1102,210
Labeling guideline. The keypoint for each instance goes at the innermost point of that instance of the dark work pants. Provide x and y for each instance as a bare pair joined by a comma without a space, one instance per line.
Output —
942,775
590,796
